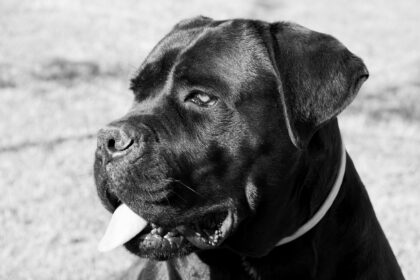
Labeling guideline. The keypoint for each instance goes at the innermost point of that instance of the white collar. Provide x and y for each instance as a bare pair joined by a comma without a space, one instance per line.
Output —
324,208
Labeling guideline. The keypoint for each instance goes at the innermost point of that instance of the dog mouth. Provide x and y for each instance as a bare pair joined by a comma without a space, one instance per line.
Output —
148,239
210,231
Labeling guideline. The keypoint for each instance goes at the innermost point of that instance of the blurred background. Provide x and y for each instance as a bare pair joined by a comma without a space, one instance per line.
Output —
64,73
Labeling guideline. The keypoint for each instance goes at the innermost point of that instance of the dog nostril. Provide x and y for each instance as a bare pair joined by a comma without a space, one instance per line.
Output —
121,144
111,145
113,142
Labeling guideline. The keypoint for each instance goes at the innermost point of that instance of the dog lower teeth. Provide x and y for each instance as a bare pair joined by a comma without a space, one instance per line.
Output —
171,234
159,231
206,232
210,237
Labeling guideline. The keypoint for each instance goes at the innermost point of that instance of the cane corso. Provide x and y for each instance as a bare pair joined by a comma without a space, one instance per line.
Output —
230,163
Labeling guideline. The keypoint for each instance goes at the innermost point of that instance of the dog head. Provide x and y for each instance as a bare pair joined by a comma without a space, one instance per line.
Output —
222,111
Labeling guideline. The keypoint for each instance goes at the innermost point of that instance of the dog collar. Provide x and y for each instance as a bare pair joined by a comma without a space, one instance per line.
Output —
324,208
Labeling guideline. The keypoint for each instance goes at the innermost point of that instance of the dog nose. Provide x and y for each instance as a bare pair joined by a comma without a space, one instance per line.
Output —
114,142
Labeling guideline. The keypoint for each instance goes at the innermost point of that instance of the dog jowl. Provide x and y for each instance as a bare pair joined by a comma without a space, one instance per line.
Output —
232,143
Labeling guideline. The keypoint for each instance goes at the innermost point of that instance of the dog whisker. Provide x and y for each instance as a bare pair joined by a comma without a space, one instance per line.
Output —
186,186
179,196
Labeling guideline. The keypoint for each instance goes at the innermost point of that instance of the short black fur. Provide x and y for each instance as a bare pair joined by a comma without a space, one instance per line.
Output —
268,152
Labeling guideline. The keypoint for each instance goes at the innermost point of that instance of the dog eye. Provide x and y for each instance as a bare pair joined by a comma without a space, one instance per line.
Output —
201,99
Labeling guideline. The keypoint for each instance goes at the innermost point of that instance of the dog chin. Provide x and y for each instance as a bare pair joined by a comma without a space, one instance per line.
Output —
158,250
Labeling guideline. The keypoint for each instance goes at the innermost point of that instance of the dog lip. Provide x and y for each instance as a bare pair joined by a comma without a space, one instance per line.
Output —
163,242
112,200
189,237
207,239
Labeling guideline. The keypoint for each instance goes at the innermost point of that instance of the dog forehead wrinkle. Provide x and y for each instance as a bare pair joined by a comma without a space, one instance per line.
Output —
154,71
146,106
175,39
224,65
193,22
231,54
203,32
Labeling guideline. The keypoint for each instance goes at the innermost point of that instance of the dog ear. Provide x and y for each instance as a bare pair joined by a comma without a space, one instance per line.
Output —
318,77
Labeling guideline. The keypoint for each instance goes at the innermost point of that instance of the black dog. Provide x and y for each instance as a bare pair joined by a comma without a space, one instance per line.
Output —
232,154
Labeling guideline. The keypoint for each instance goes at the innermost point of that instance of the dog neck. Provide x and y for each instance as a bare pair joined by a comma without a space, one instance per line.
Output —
314,220
311,223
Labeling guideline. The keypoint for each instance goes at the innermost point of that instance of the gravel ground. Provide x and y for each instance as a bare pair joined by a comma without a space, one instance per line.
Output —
64,70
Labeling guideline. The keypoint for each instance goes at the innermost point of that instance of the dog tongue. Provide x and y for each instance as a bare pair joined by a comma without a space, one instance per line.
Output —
124,225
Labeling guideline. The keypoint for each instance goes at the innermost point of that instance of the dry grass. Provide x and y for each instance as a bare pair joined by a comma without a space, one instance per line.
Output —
64,67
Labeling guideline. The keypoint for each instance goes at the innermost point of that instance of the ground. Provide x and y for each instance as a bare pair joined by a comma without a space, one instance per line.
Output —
64,71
